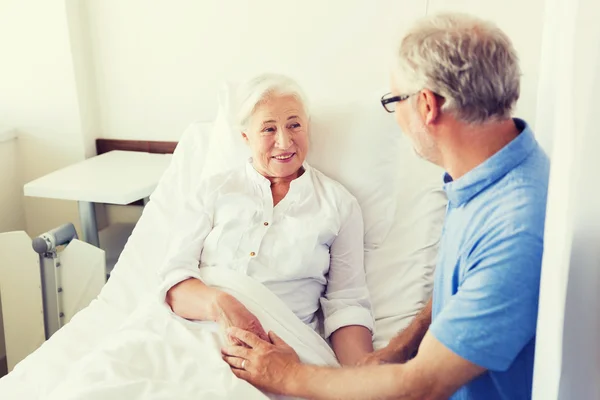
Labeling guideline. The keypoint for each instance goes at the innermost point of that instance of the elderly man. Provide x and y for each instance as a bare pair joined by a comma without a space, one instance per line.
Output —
453,91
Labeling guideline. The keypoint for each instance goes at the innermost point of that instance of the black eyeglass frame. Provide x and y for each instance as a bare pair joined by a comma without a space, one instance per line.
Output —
395,99
385,101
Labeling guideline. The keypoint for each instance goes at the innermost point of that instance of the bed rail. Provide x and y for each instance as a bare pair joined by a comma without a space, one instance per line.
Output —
46,246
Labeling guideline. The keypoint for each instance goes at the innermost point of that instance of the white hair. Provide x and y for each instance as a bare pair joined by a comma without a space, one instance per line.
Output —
256,90
468,61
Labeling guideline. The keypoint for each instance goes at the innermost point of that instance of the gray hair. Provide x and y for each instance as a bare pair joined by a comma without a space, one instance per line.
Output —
255,91
468,61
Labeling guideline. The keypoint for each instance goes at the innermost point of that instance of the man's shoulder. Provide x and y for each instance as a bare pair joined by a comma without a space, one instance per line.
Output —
533,172
519,198
513,212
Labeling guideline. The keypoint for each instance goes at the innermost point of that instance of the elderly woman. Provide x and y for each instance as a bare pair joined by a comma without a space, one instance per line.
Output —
279,221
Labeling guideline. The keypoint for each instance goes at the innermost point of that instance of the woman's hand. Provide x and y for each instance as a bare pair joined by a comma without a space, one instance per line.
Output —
192,299
229,312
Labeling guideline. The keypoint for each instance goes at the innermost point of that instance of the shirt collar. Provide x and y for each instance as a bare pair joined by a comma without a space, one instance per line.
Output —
295,185
475,181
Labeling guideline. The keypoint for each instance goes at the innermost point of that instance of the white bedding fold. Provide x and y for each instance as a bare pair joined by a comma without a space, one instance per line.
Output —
157,355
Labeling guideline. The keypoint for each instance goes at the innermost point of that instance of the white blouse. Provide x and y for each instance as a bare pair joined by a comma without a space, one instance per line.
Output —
308,249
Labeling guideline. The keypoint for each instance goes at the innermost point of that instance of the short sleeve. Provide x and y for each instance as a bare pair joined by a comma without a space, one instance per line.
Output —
493,314
346,300
191,226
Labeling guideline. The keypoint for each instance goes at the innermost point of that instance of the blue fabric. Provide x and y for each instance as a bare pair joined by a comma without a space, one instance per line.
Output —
486,287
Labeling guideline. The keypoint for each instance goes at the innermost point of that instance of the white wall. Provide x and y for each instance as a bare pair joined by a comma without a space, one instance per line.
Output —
11,201
159,64
39,98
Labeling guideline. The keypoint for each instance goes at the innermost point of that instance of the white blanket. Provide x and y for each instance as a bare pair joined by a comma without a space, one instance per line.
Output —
157,355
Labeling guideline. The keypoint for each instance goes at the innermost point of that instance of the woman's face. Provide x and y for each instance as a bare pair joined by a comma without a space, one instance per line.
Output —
278,137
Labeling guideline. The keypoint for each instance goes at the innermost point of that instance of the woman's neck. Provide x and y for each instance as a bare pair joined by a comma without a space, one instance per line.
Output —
285,180
281,185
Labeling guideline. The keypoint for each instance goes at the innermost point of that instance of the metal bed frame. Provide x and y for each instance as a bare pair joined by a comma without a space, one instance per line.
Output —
46,245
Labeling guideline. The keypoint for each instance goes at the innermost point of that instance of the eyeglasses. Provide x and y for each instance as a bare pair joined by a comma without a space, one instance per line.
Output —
387,101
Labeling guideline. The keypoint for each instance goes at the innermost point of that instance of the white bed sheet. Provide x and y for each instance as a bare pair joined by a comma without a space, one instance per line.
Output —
157,355
40,372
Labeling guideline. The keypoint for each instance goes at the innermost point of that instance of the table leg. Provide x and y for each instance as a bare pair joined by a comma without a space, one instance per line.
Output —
87,216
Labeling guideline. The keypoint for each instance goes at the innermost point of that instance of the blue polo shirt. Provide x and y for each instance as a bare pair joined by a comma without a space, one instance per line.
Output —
486,287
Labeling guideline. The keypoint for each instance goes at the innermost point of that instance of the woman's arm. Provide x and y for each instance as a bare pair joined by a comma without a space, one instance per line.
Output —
352,344
346,304
192,299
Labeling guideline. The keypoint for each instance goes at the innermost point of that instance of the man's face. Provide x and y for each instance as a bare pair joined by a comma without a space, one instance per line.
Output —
411,122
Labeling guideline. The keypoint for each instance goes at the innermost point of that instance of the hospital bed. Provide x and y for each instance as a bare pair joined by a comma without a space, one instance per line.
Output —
357,144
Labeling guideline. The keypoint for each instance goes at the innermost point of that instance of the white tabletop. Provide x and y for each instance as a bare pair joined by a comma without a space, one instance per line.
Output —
116,177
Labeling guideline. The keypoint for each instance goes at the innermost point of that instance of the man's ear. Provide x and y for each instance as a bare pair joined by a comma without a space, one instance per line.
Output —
429,106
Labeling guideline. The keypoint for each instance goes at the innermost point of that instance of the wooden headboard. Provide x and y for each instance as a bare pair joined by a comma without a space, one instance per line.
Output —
106,145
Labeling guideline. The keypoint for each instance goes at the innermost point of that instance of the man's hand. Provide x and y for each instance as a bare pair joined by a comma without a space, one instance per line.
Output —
387,355
268,366
404,346
231,313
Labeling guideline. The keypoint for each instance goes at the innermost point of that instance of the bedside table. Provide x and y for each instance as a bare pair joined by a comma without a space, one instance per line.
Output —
117,177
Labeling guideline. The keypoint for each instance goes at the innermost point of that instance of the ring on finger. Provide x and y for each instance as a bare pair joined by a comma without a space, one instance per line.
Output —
243,364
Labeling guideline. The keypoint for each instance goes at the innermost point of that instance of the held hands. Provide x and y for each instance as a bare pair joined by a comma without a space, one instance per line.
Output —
268,366
229,312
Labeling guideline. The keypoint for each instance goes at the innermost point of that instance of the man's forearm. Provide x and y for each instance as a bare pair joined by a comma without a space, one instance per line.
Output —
374,382
406,343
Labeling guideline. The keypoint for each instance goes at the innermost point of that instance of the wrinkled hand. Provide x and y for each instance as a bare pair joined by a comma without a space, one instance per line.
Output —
268,366
232,313
386,355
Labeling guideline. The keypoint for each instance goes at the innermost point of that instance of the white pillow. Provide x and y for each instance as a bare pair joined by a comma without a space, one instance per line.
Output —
400,271
226,149
357,144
